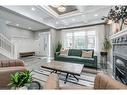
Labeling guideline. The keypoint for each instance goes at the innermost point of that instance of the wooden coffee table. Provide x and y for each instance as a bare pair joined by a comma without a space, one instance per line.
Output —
69,68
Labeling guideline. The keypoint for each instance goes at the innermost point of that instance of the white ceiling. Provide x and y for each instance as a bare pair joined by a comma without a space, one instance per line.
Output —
43,17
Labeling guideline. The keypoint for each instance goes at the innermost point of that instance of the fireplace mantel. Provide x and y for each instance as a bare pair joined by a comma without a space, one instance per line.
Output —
119,55
121,33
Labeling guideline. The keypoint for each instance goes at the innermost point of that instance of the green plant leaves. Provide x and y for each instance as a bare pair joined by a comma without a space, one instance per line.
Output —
59,46
106,44
20,79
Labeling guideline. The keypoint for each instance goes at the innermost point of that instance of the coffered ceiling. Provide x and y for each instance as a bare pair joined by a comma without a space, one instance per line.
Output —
43,17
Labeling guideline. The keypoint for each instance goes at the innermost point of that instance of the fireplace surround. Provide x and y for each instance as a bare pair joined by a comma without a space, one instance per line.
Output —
120,58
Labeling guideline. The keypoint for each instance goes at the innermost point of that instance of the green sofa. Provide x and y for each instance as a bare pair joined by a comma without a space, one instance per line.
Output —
74,56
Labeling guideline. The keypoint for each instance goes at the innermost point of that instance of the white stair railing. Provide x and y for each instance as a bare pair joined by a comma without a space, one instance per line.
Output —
6,47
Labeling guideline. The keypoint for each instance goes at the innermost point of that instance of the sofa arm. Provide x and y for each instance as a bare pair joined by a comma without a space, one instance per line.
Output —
103,81
52,82
57,53
11,63
95,60
5,74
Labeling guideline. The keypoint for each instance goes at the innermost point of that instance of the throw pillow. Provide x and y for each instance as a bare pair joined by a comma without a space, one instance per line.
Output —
87,54
64,52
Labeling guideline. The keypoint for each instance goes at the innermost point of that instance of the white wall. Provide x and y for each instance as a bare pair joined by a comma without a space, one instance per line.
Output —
3,28
23,40
53,41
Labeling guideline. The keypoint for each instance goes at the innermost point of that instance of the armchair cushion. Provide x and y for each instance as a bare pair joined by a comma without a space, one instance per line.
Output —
11,63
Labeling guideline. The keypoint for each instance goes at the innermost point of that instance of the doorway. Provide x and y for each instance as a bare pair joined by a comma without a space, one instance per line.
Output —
44,44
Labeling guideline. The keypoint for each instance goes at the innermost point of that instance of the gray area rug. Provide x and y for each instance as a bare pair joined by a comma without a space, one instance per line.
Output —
40,74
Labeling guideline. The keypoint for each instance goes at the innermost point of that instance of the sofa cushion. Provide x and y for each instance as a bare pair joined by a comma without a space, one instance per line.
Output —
89,50
64,52
77,59
74,52
87,54
11,63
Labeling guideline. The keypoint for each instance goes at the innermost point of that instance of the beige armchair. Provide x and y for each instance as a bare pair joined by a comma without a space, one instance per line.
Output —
103,81
8,67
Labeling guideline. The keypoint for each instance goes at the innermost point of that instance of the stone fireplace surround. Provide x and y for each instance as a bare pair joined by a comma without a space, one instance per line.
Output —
119,42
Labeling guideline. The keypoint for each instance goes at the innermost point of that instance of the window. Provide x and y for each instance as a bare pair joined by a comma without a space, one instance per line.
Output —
80,40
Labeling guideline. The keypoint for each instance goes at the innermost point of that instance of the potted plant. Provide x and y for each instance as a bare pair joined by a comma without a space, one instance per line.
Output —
21,80
58,47
106,46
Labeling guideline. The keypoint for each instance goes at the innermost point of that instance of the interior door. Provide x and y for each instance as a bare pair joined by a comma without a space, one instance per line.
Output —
44,44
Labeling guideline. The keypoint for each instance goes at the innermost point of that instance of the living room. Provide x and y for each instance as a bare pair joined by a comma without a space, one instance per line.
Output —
61,47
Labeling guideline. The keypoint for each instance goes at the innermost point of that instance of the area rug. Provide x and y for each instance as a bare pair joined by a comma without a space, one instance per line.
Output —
86,79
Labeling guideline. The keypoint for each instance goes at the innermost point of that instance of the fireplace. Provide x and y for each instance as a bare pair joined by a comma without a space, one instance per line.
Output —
120,58
121,69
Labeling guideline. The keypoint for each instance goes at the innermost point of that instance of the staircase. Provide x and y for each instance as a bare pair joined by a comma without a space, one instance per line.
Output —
6,48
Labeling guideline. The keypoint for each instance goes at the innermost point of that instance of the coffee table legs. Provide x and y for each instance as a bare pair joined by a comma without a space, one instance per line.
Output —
66,78
55,71
76,77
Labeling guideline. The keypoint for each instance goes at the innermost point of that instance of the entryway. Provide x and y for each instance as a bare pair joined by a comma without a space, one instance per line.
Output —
44,44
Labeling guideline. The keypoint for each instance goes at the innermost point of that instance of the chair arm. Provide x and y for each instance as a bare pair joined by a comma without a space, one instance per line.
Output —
95,60
52,82
57,53
5,74
103,81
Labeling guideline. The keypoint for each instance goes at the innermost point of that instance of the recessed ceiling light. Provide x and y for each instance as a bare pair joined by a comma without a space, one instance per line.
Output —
17,24
56,22
83,15
63,21
73,19
7,22
66,23
33,9
96,15
29,27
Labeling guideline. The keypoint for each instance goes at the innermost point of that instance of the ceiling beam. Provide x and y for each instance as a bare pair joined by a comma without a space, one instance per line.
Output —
89,25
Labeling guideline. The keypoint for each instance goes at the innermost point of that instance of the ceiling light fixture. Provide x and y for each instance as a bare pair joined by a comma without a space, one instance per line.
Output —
61,9
33,9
